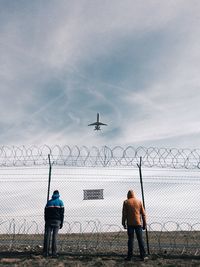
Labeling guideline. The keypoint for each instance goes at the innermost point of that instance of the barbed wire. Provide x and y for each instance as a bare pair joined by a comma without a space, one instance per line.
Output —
92,235
99,156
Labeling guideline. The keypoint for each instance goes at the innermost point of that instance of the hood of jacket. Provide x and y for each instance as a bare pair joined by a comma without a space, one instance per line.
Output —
55,196
130,194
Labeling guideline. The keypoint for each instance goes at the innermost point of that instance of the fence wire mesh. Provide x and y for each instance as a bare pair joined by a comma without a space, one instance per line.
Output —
100,156
171,191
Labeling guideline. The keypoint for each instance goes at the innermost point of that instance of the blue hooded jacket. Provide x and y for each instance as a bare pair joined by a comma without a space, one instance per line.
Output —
54,209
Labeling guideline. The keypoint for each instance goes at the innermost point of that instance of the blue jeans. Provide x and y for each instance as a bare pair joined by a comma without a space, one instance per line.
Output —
51,228
139,235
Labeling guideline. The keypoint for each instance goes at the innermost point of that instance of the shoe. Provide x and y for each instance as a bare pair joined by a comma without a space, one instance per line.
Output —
128,258
55,255
144,258
45,255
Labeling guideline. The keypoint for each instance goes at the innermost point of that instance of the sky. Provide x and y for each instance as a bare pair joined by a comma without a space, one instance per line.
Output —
134,62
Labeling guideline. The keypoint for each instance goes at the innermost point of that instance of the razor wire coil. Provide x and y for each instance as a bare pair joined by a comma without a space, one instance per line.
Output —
100,156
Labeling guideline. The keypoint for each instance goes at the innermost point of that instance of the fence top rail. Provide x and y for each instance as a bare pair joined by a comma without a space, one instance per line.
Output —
83,156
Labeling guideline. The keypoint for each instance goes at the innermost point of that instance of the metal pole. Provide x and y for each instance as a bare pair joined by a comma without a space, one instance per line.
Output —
142,190
48,191
49,182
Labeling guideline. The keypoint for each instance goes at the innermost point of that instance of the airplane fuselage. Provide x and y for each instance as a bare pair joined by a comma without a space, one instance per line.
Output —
97,124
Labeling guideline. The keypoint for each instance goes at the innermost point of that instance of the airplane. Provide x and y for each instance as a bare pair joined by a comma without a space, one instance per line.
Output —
97,124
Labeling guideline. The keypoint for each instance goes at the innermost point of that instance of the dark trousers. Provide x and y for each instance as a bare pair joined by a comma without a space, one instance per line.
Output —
139,235
51,229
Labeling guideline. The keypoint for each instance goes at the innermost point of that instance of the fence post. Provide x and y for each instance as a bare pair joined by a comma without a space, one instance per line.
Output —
142,190
48,191
49,182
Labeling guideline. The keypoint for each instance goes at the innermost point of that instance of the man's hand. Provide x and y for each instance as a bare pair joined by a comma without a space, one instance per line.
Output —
61,225
144,227
125,226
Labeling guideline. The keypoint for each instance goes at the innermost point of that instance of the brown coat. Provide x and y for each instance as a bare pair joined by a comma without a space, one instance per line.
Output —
133,211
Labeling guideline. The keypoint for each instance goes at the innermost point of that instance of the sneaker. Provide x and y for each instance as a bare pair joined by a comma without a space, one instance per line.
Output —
128,258
144,258
55,255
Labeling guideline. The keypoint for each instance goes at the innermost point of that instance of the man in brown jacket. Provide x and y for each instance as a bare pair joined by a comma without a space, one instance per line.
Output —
132,213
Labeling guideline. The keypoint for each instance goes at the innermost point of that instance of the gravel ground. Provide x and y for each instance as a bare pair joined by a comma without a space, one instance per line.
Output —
97,261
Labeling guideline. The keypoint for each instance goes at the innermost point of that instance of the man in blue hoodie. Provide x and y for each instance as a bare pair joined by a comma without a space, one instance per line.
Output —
53,215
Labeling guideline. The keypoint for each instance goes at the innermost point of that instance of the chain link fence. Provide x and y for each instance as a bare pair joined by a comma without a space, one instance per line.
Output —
93,183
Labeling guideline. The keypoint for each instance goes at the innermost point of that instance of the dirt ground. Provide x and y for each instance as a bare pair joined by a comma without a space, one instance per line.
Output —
107,250
97,261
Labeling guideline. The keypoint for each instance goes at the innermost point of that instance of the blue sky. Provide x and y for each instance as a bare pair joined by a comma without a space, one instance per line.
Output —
135,62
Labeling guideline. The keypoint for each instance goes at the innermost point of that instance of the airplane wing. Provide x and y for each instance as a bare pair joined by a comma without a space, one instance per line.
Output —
92,124
100,123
